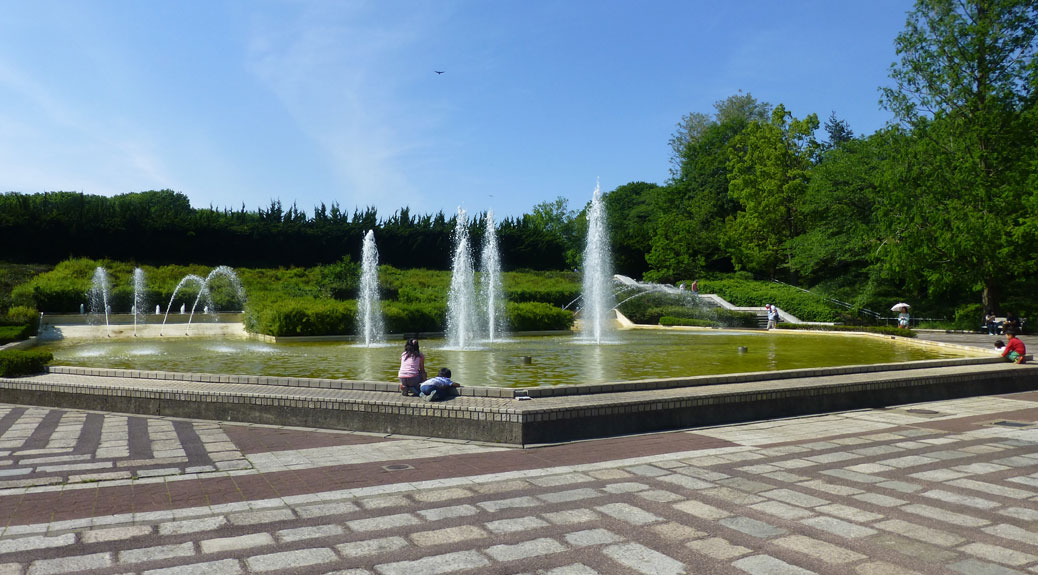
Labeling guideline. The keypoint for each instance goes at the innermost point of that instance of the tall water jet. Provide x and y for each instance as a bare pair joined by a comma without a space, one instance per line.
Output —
597,289
139,298
491,291
369,305
461,299
97,296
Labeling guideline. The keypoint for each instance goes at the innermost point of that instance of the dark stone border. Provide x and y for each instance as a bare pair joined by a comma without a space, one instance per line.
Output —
657,406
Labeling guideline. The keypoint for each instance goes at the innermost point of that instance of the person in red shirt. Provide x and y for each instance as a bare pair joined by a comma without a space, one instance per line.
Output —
1014,350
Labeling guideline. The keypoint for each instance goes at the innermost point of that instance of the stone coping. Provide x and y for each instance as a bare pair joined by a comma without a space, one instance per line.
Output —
394,337
503,419
147,318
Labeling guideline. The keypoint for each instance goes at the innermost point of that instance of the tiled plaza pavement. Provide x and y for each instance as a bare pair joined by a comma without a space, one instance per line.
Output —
942,487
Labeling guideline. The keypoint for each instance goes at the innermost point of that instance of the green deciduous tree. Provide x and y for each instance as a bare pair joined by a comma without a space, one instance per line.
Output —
838,209
768,175
690,212
629,210
556,222
958,212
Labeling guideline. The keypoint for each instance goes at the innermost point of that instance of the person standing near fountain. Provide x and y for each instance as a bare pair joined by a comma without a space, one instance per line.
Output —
773,316
412,368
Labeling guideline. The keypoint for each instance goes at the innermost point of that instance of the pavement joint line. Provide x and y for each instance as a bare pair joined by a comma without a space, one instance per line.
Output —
408,487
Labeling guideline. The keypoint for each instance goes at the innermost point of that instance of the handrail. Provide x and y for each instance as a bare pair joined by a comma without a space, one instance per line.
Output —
864,310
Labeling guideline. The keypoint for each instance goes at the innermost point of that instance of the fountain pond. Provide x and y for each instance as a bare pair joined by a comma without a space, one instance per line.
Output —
554,360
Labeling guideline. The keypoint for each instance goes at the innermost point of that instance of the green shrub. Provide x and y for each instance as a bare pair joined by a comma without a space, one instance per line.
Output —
414,285
9,333
729,318
969,317
16,362
64,289
420,294
670,320
881,329
649,307
340,280
302,317
414,317
537,316
12,275
557,288
652,315
746,293
20,315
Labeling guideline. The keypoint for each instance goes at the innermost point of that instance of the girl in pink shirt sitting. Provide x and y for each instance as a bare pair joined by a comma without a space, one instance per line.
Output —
412,368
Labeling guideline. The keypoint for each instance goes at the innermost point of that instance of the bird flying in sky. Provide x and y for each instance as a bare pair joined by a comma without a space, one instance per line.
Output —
439,71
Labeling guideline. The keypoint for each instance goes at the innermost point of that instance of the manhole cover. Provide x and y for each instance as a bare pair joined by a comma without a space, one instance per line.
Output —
397,467
1013,423
923,411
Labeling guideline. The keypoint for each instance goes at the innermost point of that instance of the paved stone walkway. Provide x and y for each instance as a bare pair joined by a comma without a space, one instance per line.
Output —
941,487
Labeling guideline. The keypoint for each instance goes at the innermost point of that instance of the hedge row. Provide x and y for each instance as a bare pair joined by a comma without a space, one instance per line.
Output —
670,321
537,316
749,293
312,316
16,362
300,317
647,308
64,289
880,329
709,315
17,324
9,333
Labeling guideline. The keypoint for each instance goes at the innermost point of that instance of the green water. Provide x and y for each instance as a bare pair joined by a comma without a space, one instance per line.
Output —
556,360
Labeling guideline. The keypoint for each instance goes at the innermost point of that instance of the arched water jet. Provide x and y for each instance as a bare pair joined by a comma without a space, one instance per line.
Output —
461,299
596,313
491,290
369,305
646,288
204,292
190,278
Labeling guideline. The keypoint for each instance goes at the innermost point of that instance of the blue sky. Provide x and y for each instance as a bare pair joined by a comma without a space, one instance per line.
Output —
235,101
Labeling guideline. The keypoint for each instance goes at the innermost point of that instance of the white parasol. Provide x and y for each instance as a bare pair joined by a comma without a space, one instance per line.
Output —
900,307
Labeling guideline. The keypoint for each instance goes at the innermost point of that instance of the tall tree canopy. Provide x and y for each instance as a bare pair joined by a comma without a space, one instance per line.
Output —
768,176
960,203
691,211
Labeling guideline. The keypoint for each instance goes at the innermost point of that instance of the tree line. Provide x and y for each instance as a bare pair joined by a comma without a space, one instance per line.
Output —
160,227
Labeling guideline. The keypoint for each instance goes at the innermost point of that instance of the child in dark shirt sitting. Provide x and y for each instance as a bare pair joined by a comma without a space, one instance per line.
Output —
437,387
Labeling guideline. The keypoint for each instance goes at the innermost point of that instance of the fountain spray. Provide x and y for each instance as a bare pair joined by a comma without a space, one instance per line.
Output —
461,299
98,295
369,306
491,291
597,314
